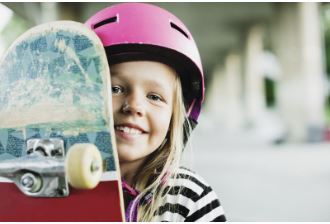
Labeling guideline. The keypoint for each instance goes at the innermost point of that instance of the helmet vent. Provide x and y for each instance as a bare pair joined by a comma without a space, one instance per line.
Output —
176,27
106,21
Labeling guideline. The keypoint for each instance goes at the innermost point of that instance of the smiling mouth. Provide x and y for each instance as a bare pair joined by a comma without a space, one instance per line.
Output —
128,130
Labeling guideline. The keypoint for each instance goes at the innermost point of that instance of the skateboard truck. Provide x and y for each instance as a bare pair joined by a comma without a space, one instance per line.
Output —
45,171
41,173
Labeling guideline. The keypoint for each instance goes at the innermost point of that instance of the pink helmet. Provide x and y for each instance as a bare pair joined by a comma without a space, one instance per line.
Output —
138,31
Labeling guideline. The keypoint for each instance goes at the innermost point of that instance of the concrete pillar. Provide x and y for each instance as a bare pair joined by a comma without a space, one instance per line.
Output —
300,92
313,69
233,85
6,14
216,96
254,86
225,98
49,12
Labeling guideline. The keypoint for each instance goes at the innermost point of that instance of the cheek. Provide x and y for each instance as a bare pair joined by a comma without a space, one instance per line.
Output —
116,104
162,122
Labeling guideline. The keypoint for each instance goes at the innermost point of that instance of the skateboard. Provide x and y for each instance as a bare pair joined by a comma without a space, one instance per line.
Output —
57,149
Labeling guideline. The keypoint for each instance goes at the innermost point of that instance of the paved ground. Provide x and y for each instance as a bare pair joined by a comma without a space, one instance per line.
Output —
256,181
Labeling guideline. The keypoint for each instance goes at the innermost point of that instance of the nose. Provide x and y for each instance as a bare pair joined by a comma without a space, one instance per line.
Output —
133,105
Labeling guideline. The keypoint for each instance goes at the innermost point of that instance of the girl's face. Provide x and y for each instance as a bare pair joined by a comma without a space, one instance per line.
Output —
142,94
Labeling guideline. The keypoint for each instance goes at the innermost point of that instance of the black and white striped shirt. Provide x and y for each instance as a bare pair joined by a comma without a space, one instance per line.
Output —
190,199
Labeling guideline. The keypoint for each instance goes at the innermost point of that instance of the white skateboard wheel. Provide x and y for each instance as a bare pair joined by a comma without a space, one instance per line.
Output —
83,166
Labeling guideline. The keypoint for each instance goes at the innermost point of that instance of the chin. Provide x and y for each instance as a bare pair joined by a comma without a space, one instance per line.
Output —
127,158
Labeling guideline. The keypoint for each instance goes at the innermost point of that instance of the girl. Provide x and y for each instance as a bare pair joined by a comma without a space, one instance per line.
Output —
158,89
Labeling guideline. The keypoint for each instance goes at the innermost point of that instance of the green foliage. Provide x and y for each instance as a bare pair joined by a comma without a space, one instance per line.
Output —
327,111
325,17
327,51
270,91
326,27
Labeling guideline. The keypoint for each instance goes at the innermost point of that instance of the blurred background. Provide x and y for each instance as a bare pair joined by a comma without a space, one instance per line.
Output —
263,140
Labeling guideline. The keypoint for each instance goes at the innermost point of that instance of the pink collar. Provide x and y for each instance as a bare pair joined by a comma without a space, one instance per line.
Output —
128,188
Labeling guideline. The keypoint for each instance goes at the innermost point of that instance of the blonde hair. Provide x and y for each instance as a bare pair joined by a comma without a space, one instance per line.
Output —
164,163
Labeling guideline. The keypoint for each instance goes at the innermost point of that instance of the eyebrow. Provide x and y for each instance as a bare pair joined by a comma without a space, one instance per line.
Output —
113,73
154,83
151,82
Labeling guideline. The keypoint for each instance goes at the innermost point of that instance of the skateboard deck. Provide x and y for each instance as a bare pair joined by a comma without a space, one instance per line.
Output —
55,84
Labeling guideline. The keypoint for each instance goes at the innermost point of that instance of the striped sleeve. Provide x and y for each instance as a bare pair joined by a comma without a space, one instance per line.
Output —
190,199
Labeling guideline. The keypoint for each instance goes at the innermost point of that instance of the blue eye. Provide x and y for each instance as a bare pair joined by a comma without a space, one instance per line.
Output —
116,89
154,97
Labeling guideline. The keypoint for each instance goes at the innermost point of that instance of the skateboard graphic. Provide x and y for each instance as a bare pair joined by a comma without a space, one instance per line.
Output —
57,149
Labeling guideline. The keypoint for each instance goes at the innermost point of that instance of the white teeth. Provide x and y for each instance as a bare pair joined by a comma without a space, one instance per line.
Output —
128,130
